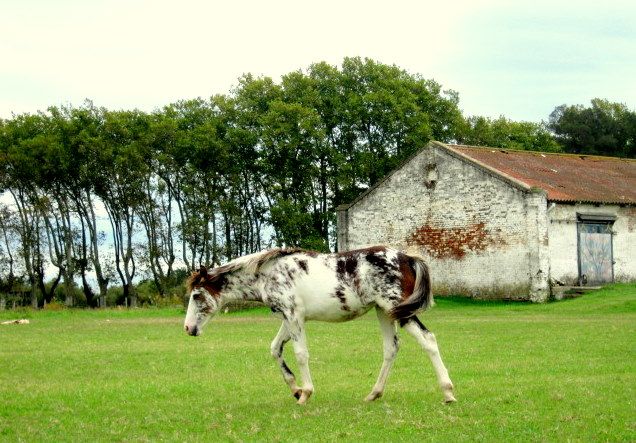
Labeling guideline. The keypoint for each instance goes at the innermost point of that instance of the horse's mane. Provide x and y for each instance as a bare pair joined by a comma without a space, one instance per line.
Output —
249,263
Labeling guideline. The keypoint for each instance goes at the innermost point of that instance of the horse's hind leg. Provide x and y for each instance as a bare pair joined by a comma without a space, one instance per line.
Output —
427,340
277,346
391,345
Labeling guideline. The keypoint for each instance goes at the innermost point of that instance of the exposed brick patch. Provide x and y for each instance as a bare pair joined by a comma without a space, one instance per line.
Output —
453,243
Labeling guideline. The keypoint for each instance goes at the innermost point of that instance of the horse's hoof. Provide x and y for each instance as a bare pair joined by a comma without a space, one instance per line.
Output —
304,396
450,399
373,396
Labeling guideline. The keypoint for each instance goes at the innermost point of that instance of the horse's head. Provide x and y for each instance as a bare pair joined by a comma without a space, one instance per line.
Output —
204,300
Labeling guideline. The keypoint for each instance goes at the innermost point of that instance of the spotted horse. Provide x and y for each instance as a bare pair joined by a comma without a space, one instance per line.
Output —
301,285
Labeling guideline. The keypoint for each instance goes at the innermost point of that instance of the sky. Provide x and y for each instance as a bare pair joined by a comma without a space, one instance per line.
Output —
519,59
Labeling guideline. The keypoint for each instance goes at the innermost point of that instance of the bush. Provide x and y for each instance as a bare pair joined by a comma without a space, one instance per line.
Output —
79,299
55,305
115,296
147,293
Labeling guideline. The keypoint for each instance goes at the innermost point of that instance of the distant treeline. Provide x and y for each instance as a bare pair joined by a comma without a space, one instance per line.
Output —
204,181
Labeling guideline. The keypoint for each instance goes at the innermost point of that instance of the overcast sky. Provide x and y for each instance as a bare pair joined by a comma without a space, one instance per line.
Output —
514,58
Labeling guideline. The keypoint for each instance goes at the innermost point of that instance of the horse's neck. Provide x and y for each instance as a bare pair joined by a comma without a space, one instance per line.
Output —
242,287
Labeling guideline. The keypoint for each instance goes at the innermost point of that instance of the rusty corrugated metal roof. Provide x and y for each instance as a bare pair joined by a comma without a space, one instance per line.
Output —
565,177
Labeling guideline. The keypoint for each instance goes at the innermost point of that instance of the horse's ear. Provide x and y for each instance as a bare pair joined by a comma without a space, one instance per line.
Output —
203,272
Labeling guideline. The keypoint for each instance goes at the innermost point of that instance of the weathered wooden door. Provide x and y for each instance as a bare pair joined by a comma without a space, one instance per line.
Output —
595,251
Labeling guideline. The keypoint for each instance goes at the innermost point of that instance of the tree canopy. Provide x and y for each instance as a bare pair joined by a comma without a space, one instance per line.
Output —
603,128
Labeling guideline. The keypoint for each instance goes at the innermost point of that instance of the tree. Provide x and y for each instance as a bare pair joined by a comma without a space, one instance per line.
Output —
291,144
23,143
79,131
168,160
8,243
55,206
605,128
507,134
368,117
120,186
374,116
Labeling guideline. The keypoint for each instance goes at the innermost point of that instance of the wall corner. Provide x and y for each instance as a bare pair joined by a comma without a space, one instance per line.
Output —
342,227
538,246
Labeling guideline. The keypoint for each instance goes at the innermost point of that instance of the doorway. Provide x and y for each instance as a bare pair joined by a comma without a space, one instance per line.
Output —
596,259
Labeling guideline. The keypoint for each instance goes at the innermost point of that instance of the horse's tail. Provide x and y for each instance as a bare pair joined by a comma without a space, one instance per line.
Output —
422,296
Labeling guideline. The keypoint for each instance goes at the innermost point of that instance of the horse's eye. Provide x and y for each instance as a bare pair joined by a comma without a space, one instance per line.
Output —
198,296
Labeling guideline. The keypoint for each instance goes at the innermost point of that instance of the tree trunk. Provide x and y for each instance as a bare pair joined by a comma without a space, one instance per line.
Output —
47,295
87,290
130,295
69,299
103,289
34,298
69,290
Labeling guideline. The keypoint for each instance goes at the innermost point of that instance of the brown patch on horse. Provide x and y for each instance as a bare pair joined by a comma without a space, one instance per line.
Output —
407,282
302,264
210,281
340,295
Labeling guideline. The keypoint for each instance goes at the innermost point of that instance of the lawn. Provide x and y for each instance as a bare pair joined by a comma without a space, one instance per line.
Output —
562,371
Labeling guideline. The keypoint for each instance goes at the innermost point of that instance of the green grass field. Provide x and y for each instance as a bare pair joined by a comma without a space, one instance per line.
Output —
563,371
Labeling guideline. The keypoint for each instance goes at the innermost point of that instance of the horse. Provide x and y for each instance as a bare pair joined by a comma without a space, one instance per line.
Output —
300,285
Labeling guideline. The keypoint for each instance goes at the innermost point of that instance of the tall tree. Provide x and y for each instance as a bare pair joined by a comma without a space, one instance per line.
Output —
291,140
24,142
120,186
603,128
79,134
8,244
55,206
507,134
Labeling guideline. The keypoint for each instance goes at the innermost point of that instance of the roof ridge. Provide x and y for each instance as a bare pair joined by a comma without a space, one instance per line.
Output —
556,154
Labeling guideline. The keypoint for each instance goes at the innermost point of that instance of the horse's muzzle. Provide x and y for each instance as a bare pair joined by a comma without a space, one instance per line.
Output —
194,331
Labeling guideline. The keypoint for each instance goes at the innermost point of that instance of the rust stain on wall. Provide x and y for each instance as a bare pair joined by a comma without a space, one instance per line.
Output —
453,243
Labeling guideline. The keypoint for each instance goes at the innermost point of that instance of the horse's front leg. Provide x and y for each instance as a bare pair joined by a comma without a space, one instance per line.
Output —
277,352
296,328
390,342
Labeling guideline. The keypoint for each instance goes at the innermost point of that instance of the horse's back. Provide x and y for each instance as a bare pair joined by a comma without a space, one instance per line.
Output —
343,286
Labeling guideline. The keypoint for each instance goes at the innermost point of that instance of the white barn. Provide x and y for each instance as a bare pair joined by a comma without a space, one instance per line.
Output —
496,223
